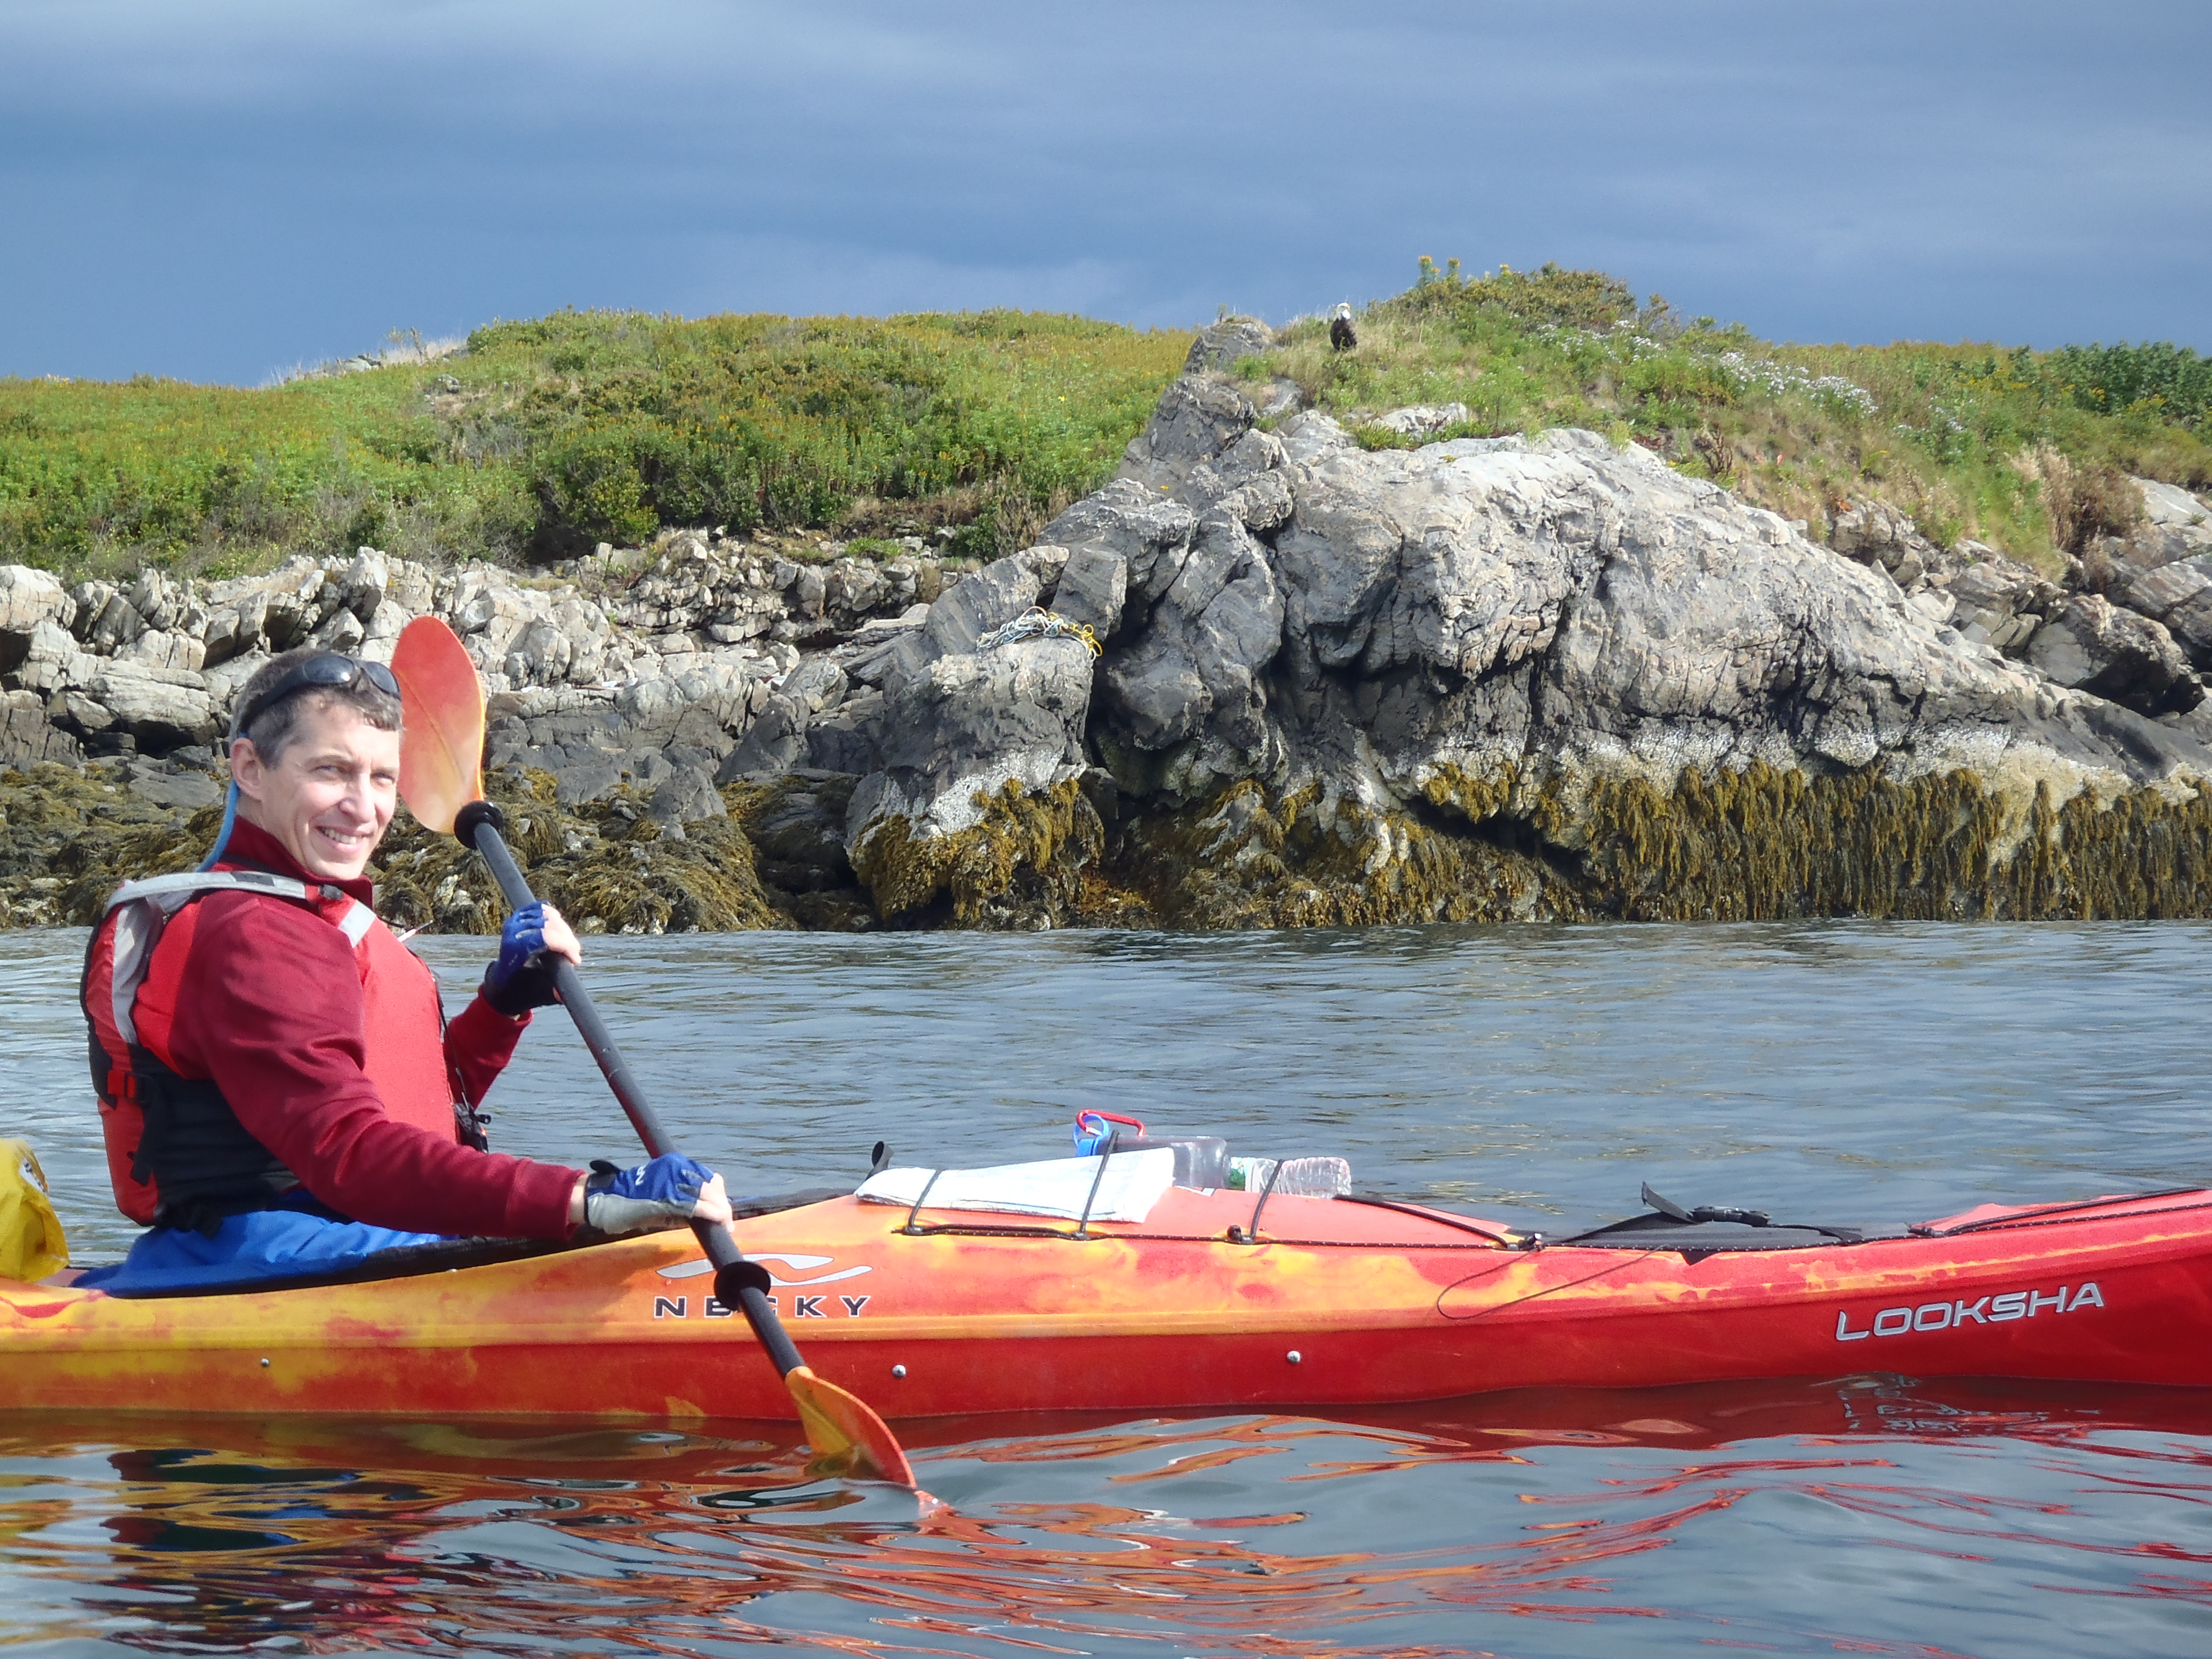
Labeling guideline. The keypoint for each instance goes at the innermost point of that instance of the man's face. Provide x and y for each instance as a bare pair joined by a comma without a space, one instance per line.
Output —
329,799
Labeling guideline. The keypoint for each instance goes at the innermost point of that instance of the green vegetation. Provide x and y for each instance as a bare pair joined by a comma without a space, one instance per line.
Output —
2018,448
544,437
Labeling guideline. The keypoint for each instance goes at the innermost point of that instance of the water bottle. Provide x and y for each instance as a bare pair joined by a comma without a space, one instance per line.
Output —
1297,1178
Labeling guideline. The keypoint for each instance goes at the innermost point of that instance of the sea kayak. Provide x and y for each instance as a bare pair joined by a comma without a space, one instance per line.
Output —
1213,1299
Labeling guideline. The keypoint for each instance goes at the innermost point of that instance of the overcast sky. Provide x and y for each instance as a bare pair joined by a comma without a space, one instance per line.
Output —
217,188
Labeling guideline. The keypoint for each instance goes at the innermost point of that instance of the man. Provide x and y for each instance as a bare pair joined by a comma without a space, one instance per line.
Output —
280,1092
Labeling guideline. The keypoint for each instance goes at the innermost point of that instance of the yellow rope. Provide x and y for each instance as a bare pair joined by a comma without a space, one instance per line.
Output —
1038,623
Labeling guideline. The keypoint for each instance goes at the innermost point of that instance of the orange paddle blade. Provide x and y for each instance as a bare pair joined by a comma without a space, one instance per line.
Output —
441,743
844,1433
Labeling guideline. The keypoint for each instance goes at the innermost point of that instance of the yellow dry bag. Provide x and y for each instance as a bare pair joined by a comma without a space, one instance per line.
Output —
30,1241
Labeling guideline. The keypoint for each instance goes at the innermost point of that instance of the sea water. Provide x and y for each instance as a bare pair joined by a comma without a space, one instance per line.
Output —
1831,1072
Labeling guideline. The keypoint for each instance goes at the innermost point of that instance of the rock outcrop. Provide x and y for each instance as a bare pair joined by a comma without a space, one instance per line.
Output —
1268,675
1346,684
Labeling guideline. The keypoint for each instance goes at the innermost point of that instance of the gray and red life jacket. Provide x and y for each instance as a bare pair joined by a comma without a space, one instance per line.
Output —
176,1150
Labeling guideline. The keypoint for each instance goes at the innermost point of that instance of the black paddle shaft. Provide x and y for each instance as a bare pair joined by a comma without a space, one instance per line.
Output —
736,1280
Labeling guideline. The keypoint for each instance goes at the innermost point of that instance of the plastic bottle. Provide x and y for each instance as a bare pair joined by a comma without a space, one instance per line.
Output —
1200,1160
1298,1177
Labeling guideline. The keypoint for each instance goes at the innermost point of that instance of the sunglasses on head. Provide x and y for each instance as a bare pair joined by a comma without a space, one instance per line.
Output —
324,672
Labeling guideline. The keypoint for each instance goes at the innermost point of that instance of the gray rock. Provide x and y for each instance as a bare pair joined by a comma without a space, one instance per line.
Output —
226,680
991,597
51,661
186,789
2095,646
819,684
776,743
963,727
800,834
2156,592
340,631
1559,603
1420,420
1196,673
1093,586
2169,507
362,585
160,709
1149,532
1228,340
170,649
1199,418
851,739
2189,621
159,601
687,797
28,597
1875,533
584,774
299,594
27,737
234,630
116,621
1279,398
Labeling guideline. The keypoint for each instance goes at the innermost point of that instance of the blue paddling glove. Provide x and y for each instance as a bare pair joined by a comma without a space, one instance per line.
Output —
656,1195
522,977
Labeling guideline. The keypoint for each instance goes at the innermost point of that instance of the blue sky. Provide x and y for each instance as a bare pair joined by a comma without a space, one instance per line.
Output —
219,189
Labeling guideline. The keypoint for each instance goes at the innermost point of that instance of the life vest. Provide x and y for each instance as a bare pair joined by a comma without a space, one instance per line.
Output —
174,1145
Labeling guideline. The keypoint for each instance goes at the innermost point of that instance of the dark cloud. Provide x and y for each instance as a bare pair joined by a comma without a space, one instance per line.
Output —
217,190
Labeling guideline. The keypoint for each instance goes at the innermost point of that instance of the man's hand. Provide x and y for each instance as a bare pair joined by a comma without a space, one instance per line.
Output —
671,1188
521,978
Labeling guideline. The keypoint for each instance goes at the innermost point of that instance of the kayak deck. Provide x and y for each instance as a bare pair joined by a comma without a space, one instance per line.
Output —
1335,1302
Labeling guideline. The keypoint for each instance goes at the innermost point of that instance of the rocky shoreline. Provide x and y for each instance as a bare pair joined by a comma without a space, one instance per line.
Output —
1485,679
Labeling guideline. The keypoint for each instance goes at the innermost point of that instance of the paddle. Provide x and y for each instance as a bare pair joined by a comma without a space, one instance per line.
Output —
440,779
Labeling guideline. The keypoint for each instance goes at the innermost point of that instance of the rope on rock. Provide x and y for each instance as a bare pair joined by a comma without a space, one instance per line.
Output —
1038,623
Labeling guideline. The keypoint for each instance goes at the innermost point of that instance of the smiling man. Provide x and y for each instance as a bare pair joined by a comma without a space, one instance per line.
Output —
281,1093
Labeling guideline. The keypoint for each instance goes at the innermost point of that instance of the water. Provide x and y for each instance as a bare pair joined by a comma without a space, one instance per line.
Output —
1835,1073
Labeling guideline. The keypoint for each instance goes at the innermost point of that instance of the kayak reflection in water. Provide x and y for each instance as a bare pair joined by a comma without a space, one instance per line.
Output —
281,1095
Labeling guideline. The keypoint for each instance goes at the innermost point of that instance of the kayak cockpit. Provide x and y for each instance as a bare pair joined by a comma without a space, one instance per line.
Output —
444,1255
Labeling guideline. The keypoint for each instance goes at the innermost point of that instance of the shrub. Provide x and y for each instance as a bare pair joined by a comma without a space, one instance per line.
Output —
549,435
1951,434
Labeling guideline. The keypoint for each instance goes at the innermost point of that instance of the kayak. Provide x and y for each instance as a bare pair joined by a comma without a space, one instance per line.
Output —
1216,1298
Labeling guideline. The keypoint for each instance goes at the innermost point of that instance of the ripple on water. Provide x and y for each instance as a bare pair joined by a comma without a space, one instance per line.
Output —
1872,1073
1871,1514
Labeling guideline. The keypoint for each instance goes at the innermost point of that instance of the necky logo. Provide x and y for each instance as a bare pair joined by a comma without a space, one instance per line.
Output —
1983,1310
794,1263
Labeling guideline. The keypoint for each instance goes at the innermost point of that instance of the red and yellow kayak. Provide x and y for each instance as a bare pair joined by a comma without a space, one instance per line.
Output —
1333,1302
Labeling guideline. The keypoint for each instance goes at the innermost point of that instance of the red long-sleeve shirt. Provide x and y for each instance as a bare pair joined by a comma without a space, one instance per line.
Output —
269,1008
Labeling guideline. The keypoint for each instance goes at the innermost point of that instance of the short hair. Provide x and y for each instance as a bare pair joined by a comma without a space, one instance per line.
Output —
275,727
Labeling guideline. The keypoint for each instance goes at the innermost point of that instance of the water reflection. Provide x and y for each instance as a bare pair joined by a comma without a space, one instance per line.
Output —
1855,1074
1512,1520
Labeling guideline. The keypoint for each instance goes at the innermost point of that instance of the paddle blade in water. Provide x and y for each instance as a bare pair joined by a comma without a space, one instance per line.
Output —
441,745
845,1432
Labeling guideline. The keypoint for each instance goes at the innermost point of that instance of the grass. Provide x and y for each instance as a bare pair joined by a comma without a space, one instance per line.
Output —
2018,448
542,438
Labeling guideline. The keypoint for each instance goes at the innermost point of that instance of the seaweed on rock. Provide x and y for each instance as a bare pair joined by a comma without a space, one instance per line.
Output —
607,866
1763,844
1022,863
72,836
1766,843
1249,857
